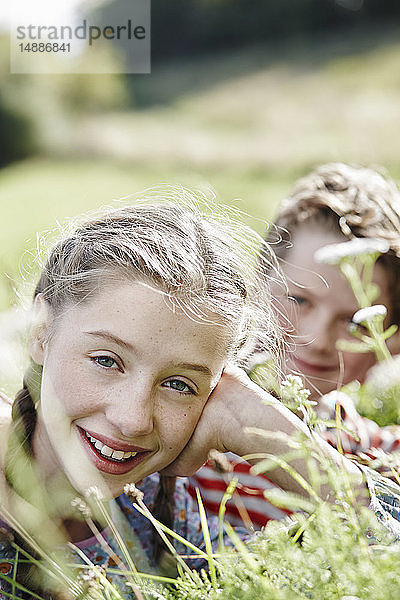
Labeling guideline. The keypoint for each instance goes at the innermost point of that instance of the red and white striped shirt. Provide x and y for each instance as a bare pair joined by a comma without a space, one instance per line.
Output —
248,505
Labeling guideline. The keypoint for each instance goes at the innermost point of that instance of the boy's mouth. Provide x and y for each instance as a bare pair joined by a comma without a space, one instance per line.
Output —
309,367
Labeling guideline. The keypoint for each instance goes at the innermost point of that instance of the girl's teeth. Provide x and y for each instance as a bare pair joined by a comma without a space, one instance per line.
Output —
109,452
118,454
106,451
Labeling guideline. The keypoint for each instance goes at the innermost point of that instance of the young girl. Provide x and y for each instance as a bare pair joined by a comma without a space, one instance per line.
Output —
142,320
332,204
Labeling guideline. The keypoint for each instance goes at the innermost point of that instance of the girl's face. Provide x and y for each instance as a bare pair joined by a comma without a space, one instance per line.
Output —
125,379
320,305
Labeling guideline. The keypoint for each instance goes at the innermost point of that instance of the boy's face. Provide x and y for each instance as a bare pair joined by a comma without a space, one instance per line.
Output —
320,305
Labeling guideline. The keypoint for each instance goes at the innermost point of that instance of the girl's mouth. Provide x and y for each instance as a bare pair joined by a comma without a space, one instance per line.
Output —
107,452
115,461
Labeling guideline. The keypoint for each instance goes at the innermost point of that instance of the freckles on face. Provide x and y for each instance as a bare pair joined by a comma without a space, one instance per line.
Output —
125,379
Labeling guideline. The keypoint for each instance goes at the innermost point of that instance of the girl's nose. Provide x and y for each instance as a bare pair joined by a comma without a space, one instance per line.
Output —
131,412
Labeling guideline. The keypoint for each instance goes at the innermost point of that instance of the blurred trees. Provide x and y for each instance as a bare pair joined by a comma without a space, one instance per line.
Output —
183,28
15,133
36,109
194,27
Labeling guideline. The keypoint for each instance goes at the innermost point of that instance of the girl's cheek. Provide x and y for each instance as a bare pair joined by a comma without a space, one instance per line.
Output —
181,420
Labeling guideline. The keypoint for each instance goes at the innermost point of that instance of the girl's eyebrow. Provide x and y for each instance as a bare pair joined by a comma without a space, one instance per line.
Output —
119,341
112,338
194,367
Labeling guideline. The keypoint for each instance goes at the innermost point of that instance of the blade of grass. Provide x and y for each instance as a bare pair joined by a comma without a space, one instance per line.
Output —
207,540
161,533
107,585
18,585
291,471
178,537
57,572
14,572
302,529
222,509
115,533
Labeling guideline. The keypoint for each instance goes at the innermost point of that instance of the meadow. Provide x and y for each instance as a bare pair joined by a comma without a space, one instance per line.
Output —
245,125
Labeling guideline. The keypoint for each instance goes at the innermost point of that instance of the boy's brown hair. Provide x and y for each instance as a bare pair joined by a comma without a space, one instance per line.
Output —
355,202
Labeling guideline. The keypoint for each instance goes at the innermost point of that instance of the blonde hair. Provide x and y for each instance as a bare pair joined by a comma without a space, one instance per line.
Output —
204,263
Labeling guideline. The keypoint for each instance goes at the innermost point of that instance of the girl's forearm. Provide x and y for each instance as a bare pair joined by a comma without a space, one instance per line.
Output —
260,425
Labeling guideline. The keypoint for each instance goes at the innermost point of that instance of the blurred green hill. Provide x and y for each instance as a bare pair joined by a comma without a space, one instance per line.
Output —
245,122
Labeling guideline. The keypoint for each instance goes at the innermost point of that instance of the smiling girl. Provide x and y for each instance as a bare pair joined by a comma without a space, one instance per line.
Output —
142,321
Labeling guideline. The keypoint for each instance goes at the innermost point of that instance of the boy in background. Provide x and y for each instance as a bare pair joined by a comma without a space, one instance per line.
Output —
334,203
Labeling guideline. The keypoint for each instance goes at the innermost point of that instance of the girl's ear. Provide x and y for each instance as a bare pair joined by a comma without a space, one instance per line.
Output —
39,329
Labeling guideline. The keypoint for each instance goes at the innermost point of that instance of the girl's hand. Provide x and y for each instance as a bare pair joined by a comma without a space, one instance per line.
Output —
236,406
219,426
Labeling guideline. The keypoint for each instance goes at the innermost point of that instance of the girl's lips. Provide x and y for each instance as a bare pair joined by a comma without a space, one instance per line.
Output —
115,444
307,367
110,466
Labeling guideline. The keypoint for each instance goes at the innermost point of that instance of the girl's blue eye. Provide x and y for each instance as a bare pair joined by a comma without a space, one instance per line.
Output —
179,386
106,361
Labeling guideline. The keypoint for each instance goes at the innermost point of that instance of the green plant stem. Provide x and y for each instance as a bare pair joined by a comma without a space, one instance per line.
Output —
207,540
118,538
222,508
166,541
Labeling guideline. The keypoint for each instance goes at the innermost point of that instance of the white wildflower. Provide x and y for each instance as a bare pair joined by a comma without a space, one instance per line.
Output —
292,388
365,315
384,375
292,380
334,253
94,492
81,506
133,493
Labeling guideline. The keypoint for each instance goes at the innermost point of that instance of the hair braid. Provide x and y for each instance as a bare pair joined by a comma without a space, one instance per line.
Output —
24,417
163,510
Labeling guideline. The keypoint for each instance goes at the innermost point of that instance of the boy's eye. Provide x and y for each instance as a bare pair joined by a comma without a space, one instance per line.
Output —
106,361
179,386
299,300
353,328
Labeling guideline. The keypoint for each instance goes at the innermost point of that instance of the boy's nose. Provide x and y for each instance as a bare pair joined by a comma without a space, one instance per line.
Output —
320,334
131,412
